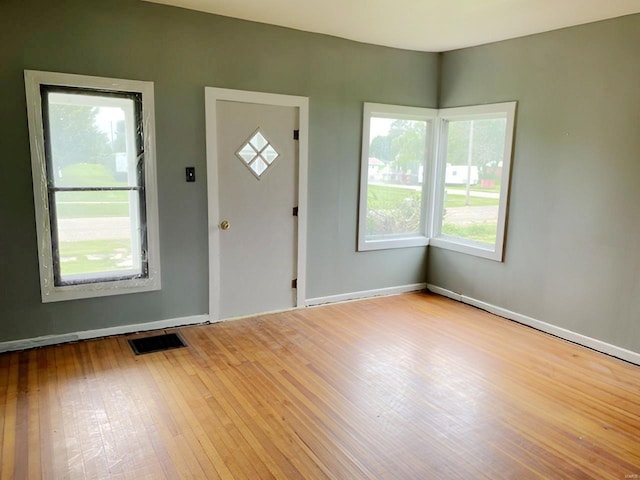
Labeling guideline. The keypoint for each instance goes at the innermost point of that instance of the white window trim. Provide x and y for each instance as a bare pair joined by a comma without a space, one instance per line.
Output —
50,292
395,112
458,244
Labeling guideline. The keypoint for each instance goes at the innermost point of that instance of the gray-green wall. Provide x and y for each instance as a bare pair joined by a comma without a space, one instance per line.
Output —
573,234
182,52
573,241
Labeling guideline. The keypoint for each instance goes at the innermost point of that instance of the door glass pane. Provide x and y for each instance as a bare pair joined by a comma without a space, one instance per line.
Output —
92,140
247,153
269,154
475,151
257,154
397,151
258,141
98,234
259,166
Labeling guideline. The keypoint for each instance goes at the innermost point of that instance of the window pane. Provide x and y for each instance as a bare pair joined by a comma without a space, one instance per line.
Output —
92,140
395,177
269,154
258,166
474,156
258,141
247,153
98,234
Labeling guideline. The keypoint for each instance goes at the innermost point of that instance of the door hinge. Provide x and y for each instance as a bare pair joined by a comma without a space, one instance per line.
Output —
295,211
294,283
296,134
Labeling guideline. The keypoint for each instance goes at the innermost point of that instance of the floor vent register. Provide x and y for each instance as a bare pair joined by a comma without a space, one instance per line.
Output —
157,343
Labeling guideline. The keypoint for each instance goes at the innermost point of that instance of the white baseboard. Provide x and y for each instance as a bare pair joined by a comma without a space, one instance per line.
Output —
345,297
183,321
253,315
102,332
578,338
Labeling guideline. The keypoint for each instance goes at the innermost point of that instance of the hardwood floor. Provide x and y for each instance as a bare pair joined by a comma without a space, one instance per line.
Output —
408,387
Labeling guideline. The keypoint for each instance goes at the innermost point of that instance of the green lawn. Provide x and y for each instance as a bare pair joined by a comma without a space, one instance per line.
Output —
92,256
88,196
391,209
477,187
453,201
87,175
386,197
85,210
485,233
389,197
90,203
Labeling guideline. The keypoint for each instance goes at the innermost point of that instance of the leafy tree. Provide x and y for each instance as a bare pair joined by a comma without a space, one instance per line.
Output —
403,147
408,145
75,138
119,143
380,148
488,143
458,142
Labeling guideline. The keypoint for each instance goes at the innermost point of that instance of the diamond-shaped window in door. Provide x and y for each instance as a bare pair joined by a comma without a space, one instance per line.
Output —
257,154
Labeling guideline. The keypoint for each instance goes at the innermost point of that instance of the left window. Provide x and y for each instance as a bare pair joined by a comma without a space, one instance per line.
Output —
397,143
94,181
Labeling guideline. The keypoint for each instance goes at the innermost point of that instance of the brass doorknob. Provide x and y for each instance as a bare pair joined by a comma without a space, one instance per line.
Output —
224,225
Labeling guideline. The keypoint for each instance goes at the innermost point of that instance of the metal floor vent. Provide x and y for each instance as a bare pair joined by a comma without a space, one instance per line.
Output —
157,343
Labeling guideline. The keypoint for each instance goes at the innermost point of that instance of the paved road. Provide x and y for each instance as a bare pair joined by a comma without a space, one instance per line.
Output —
453,191
471,215
102,228
450,191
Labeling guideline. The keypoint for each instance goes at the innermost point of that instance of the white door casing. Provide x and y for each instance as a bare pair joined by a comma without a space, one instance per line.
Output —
250,263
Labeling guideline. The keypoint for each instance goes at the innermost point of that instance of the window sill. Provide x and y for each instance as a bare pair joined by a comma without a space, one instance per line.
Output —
390,243
476,249
102,289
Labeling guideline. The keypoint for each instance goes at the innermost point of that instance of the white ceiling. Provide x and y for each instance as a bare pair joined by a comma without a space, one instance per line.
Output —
426,25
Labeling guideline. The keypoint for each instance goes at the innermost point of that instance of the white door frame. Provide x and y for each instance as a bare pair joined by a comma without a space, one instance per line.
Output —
212,96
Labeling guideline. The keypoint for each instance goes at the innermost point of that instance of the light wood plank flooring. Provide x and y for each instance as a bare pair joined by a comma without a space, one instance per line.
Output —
408,387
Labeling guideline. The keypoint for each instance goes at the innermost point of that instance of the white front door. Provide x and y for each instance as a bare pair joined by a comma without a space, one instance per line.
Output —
253,193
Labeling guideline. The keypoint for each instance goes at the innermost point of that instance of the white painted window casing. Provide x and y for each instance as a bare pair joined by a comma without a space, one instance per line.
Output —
436,178
64,210
409,132
501,164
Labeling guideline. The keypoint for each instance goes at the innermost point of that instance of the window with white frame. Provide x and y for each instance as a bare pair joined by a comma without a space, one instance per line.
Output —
94,181
472,181
436,177
394,182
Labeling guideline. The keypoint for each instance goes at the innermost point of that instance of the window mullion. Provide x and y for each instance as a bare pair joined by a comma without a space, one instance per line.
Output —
95,189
